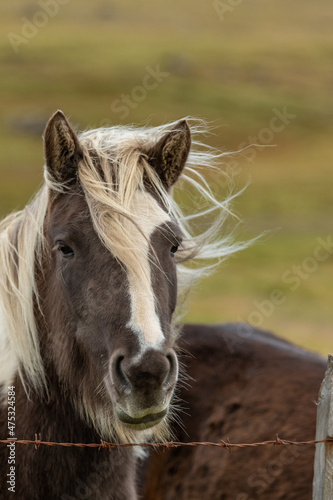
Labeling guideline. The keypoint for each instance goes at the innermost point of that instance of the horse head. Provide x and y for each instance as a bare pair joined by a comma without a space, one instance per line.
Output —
109,284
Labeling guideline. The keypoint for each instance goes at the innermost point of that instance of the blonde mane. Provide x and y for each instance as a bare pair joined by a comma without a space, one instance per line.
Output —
113,169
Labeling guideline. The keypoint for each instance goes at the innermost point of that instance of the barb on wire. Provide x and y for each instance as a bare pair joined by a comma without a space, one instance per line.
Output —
37,442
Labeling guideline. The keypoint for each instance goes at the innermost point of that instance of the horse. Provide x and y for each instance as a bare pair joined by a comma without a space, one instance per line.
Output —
90,276
246,386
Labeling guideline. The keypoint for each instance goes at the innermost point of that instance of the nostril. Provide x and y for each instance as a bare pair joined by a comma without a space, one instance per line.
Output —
119,378
153,372
170,359
118,362
171,377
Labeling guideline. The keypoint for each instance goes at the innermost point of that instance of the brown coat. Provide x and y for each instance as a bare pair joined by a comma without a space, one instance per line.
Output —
247,386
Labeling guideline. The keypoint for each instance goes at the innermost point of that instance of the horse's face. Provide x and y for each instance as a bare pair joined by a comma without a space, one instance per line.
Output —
121,326
110,313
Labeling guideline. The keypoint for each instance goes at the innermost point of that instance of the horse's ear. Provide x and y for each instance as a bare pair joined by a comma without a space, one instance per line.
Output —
169,155
62,149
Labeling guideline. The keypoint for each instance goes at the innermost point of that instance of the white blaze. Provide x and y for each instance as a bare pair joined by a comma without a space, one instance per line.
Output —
144,319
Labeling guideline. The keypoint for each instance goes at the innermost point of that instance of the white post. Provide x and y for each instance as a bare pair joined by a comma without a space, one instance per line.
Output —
323,465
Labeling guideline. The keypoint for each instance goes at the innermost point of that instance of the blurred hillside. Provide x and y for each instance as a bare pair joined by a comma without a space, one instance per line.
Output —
261,71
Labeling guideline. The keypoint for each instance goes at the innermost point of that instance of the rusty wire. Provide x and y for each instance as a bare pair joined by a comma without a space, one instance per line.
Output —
37,442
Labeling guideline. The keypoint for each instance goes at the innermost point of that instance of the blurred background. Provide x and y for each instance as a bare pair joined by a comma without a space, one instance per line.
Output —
261,71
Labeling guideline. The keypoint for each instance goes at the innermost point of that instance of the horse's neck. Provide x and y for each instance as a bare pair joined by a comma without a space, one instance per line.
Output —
64,472
99,474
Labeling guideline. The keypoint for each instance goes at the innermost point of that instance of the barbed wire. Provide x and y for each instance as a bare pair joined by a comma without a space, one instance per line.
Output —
37,442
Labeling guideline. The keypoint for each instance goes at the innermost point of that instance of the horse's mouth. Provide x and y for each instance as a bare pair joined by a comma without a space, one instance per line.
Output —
148,420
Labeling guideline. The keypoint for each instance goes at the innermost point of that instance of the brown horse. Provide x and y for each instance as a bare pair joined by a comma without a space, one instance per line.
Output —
88,290
248,386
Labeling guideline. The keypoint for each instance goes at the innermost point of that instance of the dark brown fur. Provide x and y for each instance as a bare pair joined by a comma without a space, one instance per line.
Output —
248,386
62,473
93,364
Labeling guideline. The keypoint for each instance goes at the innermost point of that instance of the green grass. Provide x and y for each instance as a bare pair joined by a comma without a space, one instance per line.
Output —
234,73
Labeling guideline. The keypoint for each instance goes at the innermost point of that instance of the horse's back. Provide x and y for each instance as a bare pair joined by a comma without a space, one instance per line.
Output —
248,386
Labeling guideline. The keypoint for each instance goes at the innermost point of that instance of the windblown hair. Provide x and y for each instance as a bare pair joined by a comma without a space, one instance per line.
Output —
114,168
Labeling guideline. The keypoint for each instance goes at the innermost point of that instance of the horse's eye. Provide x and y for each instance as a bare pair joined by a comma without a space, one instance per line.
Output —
65,250
174,249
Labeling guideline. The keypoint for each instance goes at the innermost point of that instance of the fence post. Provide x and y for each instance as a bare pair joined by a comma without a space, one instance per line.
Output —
323,465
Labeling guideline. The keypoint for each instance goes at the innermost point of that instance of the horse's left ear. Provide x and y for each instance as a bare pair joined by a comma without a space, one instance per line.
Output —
169,155
62,149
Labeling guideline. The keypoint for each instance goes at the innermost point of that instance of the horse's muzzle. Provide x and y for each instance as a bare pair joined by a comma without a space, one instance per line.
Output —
143,387
140,423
